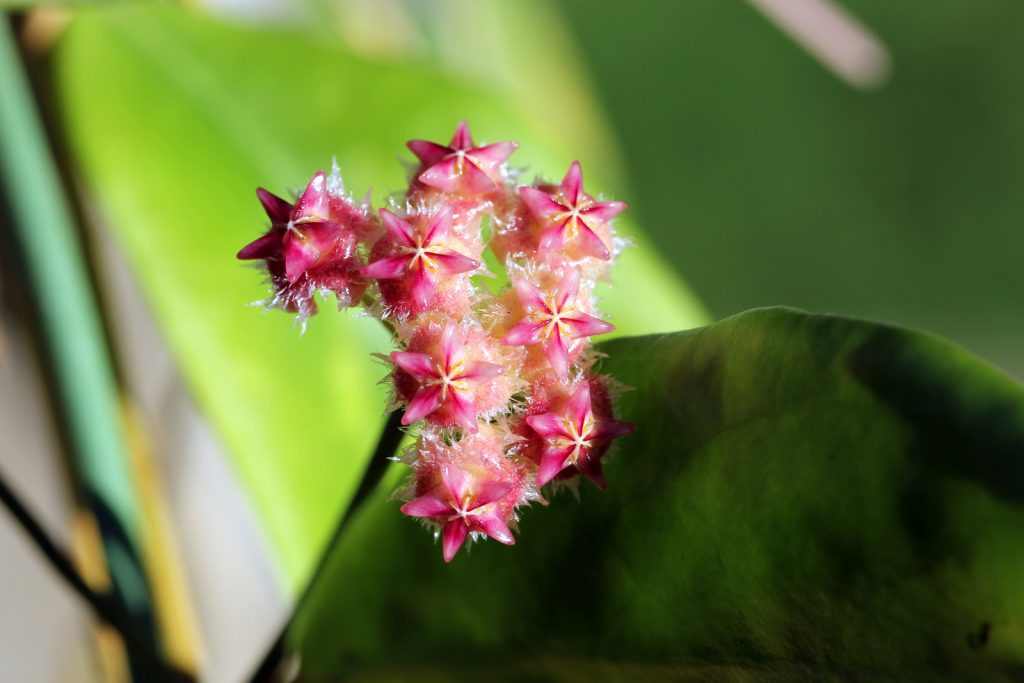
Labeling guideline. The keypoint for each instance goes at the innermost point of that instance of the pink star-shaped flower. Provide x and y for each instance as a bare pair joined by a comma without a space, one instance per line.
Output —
311,243
569,215
422,255
575,437
461,166
447,380
462,505
553,320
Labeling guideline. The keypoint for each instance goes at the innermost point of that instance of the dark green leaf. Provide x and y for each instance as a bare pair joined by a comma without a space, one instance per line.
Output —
806,498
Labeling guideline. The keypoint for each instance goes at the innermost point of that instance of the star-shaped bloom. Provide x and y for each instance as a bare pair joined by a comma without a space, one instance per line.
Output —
461,166
575,437
553,320
447,380
570,216
422,255
310,245
461,504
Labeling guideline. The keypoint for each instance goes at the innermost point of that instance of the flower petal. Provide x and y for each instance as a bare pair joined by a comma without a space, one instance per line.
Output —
492,156
452,262
278,210
401,231
455,533
568,288
267,246
590,468
489,492
429,153
419,365
604,211
475,180
457,481
463,410
530,297
421,285
552,238
524,334
611,429
557,352
553,461
495,527
387,268
439,226
314,201
430,505
426,401
299,256
578,406
540,203
479,371
572,184
450,345
548,425
591,243
580,325
462,138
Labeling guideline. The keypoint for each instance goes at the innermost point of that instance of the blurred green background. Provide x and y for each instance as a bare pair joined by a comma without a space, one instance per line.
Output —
758,173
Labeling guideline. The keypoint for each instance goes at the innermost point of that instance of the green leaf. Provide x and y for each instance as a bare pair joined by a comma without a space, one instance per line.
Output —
806,498
174,119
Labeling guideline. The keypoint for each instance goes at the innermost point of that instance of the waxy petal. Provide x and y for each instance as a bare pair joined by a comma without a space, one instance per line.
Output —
419,365
495,527
492,156
454,536
388,268
552,238
553,461
604,212
463,410
299,256
314,202
479,371
429,153
568,288
457,481
400,230
580,325
558,353
449,175
421,285
489,492
450,345
430,505
548,426
530,297
265,247
611,429
572,184
439,226
579,406
278,210
540,203
452,263
524,334
461,140
590,468
426,401
591,243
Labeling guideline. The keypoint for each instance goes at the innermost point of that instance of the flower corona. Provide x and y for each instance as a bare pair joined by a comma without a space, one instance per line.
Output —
499,386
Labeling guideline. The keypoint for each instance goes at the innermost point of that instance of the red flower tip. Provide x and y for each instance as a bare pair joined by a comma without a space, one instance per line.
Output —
571,218
575,437
554,319
461,167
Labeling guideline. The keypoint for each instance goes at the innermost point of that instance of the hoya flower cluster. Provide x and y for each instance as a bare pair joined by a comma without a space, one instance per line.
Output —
495,370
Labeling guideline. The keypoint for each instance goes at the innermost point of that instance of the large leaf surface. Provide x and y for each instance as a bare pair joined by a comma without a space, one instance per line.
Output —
174,119
806,498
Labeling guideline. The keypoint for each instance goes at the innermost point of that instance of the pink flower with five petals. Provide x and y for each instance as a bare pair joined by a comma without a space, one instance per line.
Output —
553,320
461,166
422,256
575,437
447,380
570,216
461,504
